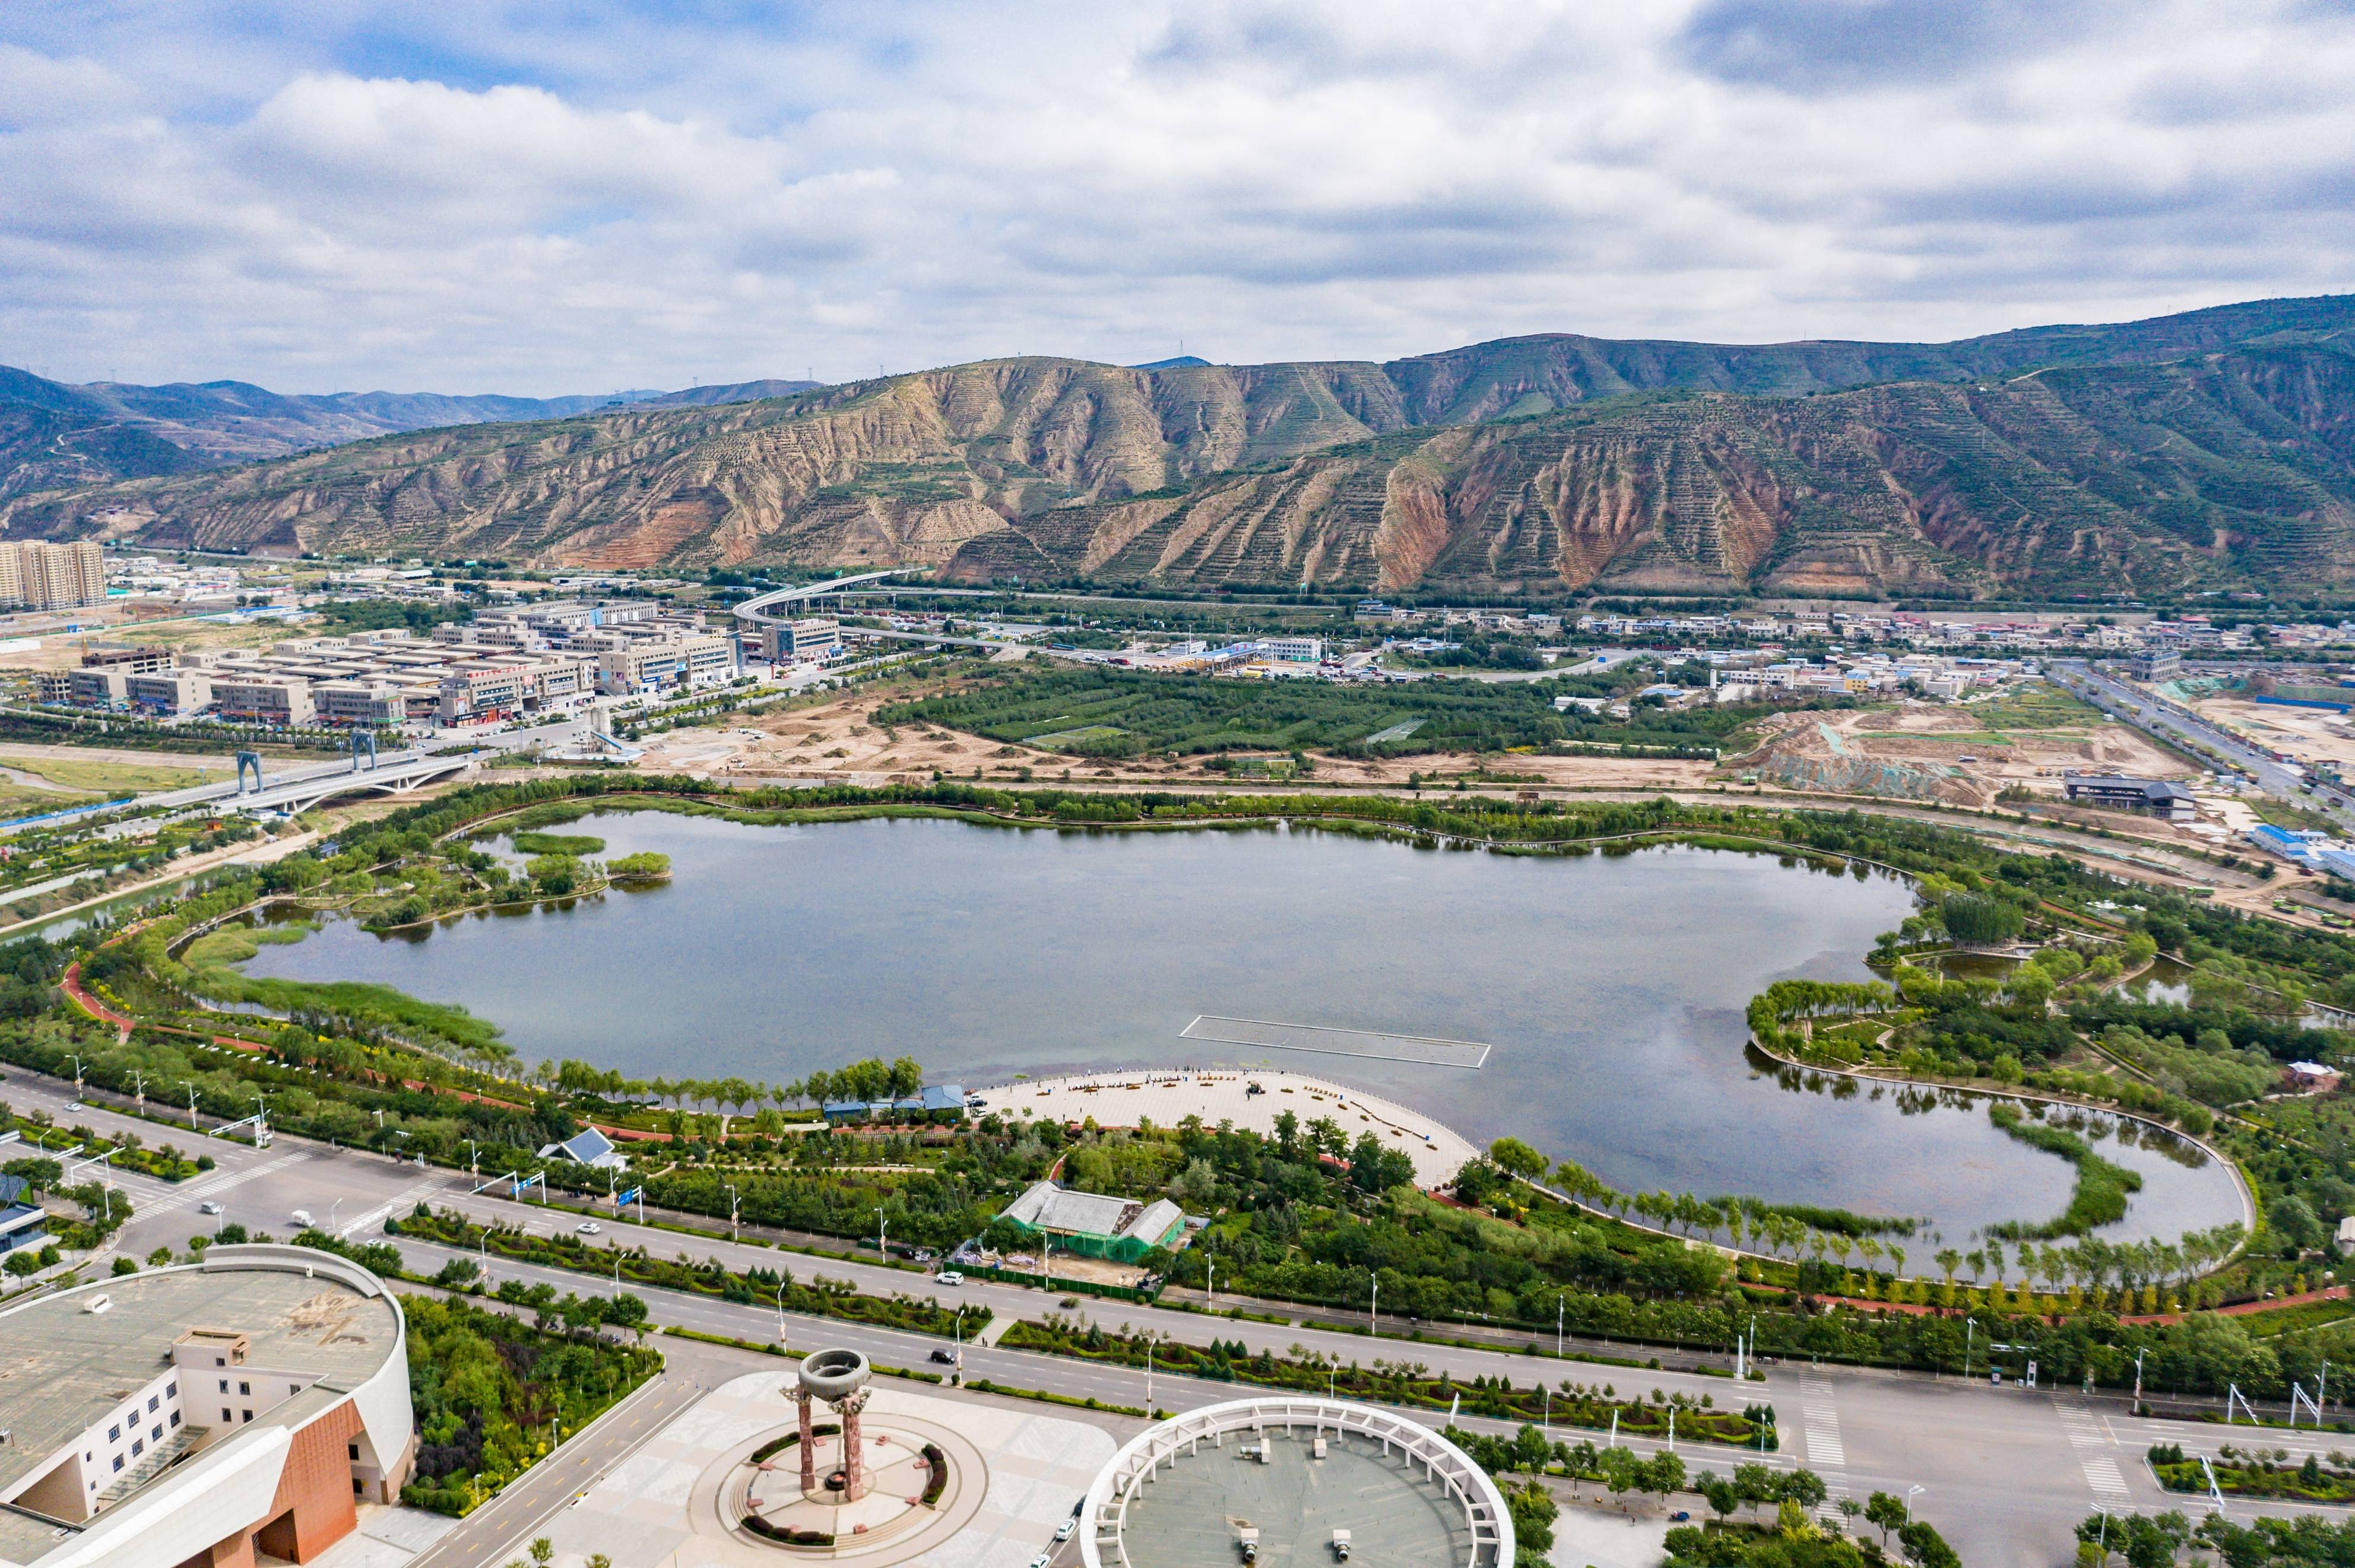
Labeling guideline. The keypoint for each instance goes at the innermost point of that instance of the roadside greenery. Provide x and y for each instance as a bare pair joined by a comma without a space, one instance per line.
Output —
2155,1541
818,1297
2256,1473
493,1394
1403,1383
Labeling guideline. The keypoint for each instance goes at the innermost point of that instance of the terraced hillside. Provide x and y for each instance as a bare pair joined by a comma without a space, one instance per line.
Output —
2216,447
2236,468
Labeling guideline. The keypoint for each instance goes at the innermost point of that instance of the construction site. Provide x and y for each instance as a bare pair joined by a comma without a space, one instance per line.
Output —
1955,756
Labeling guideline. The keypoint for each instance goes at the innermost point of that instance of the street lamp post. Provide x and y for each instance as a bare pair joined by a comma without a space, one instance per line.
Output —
1909,1501
882,1221
139,1091
1213,1291
77,1062
1374,1307
735,1231
781,1314
1557,1328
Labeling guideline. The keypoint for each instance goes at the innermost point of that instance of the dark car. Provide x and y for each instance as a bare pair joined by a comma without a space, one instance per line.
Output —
945,1358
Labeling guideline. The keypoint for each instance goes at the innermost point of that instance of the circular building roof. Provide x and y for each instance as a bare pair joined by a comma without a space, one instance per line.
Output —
1288,1474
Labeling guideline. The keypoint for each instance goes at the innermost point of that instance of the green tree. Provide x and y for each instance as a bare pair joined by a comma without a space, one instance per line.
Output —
1886,1511
1516,1157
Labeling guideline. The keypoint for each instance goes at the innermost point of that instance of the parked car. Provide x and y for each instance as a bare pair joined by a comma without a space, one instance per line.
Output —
951,1277
208,1207
1679,1516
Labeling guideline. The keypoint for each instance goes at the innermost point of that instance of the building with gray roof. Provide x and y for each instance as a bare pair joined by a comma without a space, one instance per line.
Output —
194,1415
1096,1225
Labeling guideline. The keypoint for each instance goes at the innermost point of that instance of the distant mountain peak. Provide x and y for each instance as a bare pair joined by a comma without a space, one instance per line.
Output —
1182,362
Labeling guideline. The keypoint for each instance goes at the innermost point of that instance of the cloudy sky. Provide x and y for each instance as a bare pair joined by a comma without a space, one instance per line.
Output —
574,196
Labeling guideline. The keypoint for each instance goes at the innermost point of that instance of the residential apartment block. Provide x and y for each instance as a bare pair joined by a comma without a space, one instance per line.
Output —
35,575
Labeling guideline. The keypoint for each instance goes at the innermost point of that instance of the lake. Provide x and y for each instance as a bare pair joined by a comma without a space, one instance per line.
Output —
1610,986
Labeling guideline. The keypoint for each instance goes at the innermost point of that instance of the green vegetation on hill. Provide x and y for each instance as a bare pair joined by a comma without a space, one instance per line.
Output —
2186,451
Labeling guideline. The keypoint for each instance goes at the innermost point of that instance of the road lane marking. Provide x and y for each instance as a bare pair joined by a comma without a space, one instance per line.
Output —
1820,1416
408,1197
2093,1450
202,1190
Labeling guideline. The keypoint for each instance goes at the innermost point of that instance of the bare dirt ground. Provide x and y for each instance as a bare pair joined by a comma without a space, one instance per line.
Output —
1922,752
840,742
2310,735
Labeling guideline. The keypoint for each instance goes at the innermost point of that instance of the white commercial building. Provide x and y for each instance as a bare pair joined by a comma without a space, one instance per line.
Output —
202,1413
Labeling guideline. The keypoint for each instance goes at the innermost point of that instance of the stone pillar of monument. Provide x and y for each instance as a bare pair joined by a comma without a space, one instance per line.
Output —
808,1444
854,1460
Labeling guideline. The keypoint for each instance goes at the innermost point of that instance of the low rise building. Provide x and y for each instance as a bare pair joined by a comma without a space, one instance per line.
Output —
282,701
203,1413
797,642
660,664
22,1222
2160,797
171,693
1096,1225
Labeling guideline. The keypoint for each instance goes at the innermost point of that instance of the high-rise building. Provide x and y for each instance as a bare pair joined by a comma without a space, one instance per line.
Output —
36,574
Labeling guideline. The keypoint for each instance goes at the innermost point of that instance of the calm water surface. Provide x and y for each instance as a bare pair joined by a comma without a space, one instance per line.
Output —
1611,989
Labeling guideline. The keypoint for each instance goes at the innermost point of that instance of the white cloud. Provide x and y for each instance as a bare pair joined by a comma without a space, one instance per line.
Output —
500,200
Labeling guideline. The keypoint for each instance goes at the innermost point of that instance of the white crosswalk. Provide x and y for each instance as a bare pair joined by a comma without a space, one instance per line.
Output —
2092,1445
1821,1417
197,1191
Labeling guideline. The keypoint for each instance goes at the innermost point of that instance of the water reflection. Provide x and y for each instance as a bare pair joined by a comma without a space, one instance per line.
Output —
1612,986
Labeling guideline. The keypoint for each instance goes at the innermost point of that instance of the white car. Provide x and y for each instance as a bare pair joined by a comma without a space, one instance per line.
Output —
76,1105
1042,1560
951,1277
302,1218
1064,1530
208,1207
589,1228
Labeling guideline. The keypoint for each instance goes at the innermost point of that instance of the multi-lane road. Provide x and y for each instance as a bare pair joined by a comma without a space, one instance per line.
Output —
2173,723
2008,1471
